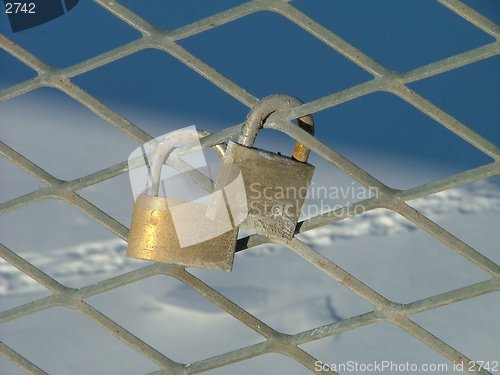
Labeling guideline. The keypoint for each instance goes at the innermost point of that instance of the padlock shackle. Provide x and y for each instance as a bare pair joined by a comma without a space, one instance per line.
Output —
161,153
263,109
220,149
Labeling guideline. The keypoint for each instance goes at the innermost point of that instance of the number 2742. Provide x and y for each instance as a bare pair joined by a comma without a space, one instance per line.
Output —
20,8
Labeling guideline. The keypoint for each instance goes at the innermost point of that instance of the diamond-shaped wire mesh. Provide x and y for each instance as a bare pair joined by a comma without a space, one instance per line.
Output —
275,342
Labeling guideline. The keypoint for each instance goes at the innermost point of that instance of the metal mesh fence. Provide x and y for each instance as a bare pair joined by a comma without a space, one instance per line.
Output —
274,342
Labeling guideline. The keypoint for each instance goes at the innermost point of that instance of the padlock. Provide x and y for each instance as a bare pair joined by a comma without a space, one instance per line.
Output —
275,185
157,223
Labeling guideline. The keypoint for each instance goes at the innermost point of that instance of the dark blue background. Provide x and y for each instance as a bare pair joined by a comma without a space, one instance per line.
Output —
265,53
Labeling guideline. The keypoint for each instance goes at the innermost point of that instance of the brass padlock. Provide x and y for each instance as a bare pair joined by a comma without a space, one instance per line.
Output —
173,231
275,185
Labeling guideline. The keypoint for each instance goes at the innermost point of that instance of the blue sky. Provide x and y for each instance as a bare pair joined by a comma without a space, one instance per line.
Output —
265,53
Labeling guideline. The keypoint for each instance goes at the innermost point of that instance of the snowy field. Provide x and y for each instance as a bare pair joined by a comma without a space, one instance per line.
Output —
381,248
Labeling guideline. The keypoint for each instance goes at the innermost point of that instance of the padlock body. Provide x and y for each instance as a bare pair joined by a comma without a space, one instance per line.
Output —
275,185
153,236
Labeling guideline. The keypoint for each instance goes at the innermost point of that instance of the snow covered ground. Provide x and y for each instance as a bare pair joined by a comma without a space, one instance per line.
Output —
381,248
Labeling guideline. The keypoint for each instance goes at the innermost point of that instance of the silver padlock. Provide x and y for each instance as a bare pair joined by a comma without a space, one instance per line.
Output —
275,185
173,231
